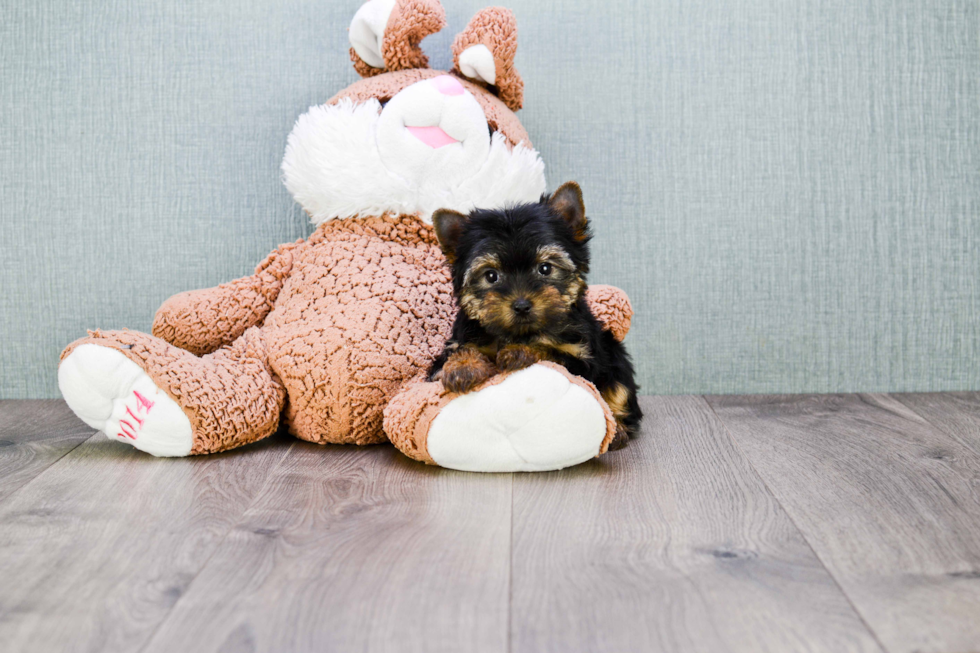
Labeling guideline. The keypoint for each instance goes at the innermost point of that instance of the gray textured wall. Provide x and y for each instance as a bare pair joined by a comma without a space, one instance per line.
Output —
788,190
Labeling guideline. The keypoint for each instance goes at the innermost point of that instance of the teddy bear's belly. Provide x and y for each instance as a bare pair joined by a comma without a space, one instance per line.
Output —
357,318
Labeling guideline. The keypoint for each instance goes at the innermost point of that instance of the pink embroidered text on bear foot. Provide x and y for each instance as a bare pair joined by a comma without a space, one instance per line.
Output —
131,427
114,395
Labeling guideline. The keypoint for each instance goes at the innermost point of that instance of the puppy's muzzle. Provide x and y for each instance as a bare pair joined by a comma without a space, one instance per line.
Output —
522,307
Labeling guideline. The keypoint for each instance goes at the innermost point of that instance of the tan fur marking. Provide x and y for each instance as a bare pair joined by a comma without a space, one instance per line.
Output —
574,290
479,264
490,351
556,256
574,349
517,357
617,397
466,369
577,350
496,310
470,304
492,309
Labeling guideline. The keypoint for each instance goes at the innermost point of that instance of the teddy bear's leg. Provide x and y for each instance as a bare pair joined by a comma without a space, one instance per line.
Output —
165,401
540,418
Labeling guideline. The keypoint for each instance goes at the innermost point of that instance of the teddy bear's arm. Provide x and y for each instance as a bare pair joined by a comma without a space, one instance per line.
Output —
202,321
409,417
612,307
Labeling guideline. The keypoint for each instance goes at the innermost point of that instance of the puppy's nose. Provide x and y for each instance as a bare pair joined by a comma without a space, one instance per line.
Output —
521,306
448,85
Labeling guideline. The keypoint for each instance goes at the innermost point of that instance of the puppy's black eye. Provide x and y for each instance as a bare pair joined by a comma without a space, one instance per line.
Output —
544,269
491,276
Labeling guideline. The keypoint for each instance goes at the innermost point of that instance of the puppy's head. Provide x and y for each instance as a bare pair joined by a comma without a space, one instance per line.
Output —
519,271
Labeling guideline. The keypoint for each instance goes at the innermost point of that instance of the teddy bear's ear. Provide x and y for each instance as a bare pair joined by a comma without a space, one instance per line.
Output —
385,34
484,53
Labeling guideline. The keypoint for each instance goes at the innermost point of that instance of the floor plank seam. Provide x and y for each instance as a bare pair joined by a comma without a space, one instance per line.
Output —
217,547
799,530
31,480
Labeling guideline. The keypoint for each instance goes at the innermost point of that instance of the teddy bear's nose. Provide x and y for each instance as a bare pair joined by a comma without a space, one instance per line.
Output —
448,85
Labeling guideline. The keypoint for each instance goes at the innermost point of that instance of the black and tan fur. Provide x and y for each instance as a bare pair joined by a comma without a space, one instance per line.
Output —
519,277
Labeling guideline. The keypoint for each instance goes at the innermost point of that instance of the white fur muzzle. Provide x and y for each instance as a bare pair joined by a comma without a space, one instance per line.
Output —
349,159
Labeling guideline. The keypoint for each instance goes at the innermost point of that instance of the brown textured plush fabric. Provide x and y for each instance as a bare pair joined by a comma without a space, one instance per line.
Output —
384,87
612,307
231,397
364,69
349,315
496,28
408,416
410,22
368,305
201,321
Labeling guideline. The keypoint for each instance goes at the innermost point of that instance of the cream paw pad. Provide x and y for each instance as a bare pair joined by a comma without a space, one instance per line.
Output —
112,394
538,419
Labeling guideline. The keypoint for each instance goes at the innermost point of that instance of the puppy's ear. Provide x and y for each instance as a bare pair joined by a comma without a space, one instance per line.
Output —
567,202
449,227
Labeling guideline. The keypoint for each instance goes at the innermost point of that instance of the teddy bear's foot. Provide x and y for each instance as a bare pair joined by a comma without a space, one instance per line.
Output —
538,419
533,420
112,394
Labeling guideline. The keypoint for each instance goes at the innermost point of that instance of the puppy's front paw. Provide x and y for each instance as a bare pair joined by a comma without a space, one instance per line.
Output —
465,370
516,357
463,378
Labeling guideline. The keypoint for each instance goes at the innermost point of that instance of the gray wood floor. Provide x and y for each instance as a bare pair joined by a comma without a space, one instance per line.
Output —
765,523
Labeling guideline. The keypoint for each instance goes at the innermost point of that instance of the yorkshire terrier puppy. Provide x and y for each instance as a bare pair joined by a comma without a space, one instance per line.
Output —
519,279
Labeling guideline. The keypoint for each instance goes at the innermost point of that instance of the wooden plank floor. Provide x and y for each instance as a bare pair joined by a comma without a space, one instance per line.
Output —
764,523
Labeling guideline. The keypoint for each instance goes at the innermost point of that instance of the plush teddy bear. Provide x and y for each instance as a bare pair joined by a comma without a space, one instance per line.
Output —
333,334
